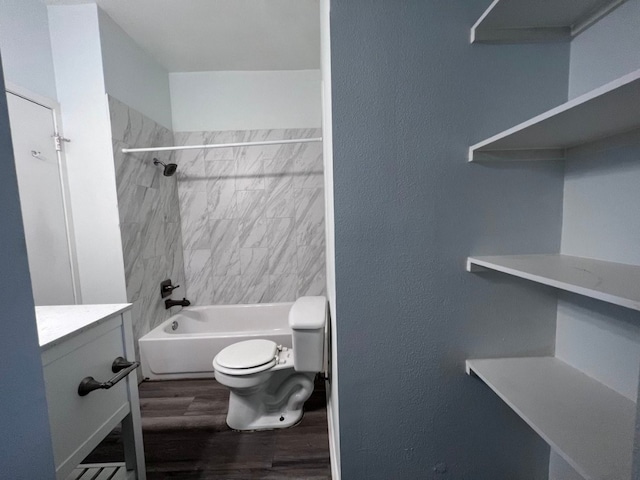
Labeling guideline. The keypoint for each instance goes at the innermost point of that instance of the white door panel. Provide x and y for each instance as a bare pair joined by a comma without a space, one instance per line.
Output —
41,200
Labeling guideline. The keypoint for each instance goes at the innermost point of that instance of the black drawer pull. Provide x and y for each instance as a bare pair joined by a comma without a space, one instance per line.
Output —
120,366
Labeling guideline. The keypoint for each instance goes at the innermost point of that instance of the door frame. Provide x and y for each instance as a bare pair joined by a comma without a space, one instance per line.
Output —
54,106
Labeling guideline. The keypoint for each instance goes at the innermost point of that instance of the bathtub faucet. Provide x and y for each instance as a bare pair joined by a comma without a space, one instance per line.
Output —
168,303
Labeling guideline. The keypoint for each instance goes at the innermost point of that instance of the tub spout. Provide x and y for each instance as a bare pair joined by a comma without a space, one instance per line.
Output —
168,303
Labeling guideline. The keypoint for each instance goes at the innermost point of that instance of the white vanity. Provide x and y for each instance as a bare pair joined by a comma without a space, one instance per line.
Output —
80,341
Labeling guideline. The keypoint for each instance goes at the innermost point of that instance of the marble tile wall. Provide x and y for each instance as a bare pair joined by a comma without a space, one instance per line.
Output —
252,217
149,215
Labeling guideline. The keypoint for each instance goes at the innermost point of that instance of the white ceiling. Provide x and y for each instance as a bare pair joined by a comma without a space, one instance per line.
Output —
203,35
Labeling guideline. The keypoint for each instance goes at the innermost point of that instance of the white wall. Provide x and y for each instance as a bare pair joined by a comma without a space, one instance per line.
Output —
216,101
606,51
600,219
559,469
26,47
131,75
332,397
75,40
25,441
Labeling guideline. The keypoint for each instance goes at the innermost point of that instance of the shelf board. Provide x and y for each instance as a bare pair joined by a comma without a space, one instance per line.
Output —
104,471
605,112
526,21
587,423
610,282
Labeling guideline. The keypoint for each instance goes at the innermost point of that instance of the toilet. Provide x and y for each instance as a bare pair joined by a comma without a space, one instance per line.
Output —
268,383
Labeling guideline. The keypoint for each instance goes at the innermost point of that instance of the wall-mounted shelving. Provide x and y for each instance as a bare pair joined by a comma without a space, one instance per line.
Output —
604,112
587,423
610,282
566,398
523,21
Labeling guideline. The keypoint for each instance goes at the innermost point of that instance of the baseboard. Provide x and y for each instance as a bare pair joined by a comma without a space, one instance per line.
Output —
334,454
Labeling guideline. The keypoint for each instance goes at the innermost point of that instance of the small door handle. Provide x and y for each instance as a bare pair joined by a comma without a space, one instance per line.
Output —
120,366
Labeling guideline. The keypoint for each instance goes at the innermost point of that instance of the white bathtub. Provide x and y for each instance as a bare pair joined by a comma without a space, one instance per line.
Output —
201,332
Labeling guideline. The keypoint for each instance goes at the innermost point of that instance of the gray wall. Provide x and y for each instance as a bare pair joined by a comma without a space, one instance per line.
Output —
25,440
149,216
410,94
252,217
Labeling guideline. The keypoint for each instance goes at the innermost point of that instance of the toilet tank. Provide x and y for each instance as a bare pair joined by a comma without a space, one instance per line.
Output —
307,319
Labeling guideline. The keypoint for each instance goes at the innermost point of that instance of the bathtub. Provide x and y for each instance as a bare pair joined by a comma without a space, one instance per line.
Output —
184,345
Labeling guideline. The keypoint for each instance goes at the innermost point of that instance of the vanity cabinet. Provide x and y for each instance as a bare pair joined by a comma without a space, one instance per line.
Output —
83,341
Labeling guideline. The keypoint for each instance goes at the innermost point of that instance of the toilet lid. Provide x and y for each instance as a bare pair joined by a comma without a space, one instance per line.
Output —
247,354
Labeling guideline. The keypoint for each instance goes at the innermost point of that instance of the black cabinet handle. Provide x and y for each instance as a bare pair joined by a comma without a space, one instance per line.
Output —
120,366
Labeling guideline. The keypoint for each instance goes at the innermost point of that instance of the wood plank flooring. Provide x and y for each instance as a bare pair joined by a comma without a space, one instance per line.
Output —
186,437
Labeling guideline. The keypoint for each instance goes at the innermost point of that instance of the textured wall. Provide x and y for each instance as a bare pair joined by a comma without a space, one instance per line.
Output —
410,94
252,217
149,215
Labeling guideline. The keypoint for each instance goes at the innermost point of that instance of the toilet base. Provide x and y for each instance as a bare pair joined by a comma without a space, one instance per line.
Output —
269,429
276,403
269,422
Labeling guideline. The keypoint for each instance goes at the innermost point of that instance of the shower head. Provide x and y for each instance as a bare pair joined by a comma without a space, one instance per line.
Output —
169,168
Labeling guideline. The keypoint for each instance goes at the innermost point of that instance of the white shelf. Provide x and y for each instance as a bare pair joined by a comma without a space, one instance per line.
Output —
105,471
588,424
604,112
526,21
610,282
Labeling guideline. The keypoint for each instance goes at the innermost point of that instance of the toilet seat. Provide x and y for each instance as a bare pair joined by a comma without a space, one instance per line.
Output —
247,357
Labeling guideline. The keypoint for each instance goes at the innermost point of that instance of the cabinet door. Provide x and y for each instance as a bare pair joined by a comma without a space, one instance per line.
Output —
78,423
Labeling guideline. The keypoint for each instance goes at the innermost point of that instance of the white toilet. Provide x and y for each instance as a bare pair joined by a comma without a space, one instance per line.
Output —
268,383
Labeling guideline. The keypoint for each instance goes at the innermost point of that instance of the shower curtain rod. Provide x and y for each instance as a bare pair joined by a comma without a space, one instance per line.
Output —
221,145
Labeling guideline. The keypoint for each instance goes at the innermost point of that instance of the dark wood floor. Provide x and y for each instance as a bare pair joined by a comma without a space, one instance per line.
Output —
186,437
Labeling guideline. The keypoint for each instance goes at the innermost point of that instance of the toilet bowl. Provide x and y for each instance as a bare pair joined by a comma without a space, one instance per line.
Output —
268,384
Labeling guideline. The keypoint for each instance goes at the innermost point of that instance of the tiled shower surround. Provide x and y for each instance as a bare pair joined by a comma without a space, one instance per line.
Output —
252,217
149,215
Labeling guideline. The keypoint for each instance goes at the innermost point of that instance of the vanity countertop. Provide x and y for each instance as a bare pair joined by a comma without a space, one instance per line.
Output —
60,322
